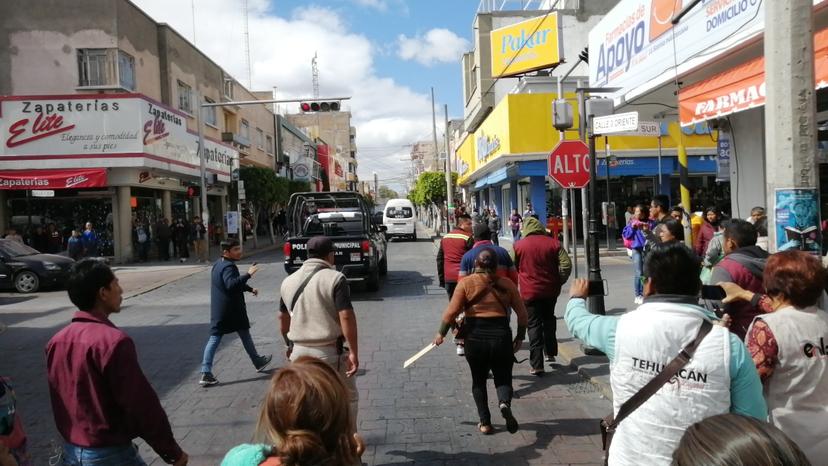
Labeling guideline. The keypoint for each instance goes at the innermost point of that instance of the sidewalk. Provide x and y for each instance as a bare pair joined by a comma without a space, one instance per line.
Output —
139,278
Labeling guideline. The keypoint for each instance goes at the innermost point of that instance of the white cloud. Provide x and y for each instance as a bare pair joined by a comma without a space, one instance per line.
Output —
386,114
381,5
436,46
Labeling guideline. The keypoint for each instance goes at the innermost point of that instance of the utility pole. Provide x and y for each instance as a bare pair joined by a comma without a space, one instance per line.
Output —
376,187
205,213
449,187
790,108
434,133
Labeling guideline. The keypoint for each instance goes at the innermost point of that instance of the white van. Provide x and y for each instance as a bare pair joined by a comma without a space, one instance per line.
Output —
398,217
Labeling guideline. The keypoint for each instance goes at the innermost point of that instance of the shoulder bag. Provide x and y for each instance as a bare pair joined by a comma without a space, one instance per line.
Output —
610,423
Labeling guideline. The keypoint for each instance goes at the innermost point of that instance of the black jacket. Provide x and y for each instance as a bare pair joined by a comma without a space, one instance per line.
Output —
228,312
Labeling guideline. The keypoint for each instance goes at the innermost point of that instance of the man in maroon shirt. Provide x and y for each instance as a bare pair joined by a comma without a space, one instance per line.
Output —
101,399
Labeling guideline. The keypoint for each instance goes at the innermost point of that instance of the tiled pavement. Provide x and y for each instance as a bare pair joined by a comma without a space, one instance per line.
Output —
423,415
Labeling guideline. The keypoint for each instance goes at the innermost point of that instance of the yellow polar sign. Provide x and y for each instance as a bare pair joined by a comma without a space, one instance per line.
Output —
526,46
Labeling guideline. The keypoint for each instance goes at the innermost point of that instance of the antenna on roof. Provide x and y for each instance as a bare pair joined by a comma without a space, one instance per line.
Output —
247,47
315,70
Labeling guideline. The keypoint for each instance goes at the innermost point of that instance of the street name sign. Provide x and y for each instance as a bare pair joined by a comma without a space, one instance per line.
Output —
645,128
569,164
618,123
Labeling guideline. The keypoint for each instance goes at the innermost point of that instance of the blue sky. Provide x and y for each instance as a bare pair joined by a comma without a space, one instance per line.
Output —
386,54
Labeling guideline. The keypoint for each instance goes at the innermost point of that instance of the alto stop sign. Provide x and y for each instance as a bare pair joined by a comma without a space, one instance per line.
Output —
569,164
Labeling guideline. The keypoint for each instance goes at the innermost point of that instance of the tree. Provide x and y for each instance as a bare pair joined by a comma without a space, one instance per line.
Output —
264,190
387,193
430,188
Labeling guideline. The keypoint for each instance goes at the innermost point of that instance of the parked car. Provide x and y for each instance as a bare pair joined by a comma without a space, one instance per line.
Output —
398,217
359,243
27,270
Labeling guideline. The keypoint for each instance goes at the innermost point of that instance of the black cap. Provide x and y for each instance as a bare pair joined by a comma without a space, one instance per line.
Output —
320,246
481,231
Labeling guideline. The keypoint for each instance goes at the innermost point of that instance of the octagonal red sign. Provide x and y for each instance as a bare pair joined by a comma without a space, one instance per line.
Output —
569,164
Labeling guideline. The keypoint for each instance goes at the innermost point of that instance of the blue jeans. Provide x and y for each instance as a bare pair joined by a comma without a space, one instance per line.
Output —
125,455
212,346
638,271
515,235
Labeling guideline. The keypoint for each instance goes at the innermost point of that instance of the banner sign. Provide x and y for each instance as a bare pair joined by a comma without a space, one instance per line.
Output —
723,157
77,125
633,44
53,179
526,46
796,211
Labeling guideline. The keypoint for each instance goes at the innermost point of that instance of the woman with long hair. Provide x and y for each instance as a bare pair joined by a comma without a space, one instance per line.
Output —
305,420
486,298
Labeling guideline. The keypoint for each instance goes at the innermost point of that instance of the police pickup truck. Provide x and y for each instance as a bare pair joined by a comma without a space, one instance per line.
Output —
359,242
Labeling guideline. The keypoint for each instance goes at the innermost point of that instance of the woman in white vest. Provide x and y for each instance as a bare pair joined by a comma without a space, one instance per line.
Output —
720,377
789,346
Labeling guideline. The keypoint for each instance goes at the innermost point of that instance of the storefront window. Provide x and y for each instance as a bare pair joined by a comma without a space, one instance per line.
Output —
68,210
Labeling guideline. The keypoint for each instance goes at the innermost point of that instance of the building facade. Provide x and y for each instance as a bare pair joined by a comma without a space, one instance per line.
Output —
101,114
333,130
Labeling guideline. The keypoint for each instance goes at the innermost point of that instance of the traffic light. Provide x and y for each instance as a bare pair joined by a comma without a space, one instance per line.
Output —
193,191
319,106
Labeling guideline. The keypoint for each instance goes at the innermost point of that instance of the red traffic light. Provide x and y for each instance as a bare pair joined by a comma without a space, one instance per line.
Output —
193,191
333,106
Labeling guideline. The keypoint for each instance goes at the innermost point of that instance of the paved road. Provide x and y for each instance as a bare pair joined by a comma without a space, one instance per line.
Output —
423,415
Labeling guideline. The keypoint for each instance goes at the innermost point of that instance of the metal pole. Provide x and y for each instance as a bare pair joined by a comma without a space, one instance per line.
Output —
564,191
574,233
582,122
449,187
609,218
596,302
205,214
434,133
659,164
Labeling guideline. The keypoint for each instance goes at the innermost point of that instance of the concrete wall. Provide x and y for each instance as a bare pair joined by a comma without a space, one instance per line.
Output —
747,162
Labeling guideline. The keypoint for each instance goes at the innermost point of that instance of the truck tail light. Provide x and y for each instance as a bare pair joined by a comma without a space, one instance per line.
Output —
366,246
286,249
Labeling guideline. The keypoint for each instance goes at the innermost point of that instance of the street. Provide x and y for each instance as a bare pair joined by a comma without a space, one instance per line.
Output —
420,415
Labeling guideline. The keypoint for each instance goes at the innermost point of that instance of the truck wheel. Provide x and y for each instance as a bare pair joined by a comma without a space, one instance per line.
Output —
372,282
383,266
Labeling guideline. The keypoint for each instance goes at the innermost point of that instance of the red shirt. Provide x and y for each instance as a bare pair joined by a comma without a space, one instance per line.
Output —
536,259
100,396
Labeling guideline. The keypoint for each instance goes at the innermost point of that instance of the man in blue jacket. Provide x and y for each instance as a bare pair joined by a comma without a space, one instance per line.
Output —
228,312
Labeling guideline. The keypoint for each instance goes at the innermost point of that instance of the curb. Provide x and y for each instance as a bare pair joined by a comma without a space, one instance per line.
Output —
571,353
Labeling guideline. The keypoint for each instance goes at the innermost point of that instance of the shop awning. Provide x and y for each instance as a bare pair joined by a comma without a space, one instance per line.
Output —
740,88
493,178
53,179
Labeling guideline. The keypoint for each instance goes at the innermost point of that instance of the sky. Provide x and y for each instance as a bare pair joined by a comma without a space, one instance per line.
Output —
385,54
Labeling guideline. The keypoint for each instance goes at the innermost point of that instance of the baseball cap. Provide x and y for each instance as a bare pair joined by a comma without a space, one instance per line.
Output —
320,246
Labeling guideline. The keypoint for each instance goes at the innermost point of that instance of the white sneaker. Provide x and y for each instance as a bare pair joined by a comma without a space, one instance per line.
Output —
460,350
639,300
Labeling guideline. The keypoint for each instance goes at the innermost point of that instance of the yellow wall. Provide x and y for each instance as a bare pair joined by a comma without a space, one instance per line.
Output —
523,125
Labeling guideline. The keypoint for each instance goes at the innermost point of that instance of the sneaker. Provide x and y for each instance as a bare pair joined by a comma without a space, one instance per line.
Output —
549,359
207,379
461,351
639,300
263,362
511,422
537,372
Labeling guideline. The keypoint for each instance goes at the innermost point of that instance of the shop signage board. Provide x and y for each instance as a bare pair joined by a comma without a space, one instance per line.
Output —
526,46
569,164
632,46
53,179
117,124
741,88
231,221
43,193
796,211
618,123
